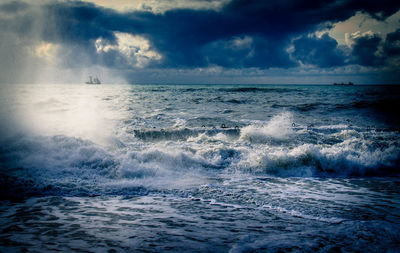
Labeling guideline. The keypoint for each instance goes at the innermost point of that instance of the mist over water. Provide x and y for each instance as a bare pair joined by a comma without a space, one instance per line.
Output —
199,168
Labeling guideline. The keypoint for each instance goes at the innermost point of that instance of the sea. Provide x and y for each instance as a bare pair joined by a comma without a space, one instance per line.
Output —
199,168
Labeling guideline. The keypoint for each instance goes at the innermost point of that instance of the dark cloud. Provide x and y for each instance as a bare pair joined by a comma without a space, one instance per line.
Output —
77,22
291,16
247,52
195,38
243,34
322,52
392,44
186,37
365,50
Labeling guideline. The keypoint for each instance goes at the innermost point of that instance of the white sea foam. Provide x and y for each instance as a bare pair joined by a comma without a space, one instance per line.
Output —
279,127
133,168
351,157
105,136
75,165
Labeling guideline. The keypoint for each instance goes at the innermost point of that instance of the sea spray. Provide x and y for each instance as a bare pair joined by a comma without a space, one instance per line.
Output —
279,127
157,166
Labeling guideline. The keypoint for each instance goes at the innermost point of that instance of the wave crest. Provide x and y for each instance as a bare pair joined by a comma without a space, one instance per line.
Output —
279,127
345,159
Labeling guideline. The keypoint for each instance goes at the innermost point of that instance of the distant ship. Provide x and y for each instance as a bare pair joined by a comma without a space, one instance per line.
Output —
349,83
93,80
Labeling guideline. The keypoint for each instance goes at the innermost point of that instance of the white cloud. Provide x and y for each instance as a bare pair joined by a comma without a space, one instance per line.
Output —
159,6
350,37
363,23
135,49
241,42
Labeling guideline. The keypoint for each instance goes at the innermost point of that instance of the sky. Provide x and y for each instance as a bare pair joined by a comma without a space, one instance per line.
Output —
200,41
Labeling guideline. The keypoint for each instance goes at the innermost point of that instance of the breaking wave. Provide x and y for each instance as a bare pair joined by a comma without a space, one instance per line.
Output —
182,134
186,157
279,127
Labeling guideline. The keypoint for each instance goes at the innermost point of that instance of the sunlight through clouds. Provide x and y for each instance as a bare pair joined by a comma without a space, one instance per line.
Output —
159,6
135,49
133,38
362,22
47,51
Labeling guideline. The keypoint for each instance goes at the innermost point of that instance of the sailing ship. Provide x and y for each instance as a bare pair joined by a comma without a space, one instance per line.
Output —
93,80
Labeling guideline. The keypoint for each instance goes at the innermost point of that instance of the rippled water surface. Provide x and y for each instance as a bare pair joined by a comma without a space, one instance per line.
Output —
122,168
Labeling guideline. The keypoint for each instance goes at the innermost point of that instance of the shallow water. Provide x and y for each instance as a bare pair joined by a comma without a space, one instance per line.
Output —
199,168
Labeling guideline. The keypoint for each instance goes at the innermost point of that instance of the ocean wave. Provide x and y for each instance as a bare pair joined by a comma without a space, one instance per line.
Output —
308,106
279,127
257,89
53,165
347,159
382,104
181,134
184,157
61,165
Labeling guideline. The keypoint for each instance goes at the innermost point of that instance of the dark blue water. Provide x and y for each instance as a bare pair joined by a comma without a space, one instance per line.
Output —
238,168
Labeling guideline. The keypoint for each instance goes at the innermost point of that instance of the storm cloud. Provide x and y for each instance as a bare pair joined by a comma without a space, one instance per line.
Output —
322,52
241,34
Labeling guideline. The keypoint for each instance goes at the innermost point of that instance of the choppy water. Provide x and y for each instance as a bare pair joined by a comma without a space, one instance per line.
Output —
224,168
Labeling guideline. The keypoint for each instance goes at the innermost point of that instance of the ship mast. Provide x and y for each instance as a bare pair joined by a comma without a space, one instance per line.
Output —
94,80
